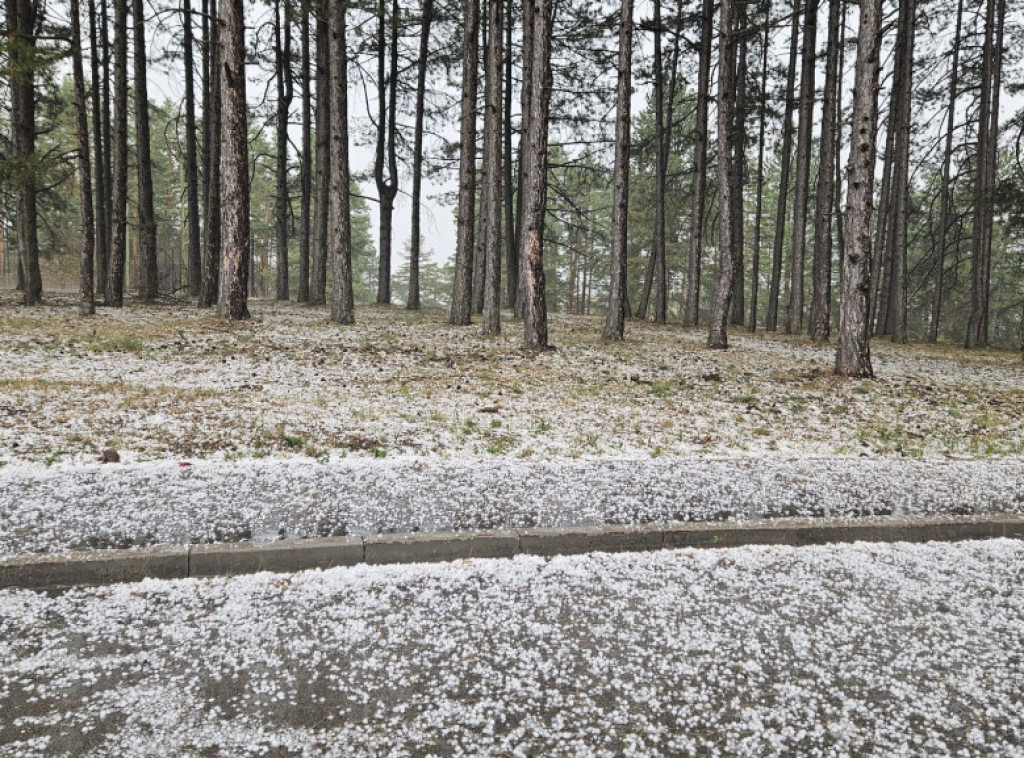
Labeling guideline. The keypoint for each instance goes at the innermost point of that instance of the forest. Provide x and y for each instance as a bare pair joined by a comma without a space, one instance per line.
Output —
846,171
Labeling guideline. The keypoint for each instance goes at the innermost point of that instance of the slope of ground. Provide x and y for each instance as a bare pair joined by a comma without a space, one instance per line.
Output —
172,382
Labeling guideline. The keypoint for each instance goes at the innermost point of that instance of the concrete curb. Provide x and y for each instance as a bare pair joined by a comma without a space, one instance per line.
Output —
115,566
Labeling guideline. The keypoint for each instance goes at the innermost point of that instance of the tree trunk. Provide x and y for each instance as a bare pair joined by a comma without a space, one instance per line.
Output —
755,263
149,278
234,268
462,290
208,294
321,190
194,255
106,198
511,249
655,279
853,353
285,90
718,333
22,20
342,302
306,164
614,324
977,325
427,13
771,321
119,137
86,306
879,314
795,310
821,300
539,17
102,223
901,172
739,167
700,167
947,194
491,227
387,98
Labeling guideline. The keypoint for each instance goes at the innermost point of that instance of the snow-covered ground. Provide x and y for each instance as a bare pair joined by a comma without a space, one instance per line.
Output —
171,382
882,650
133,505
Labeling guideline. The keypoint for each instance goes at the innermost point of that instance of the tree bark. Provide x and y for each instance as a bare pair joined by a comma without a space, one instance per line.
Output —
511,248
106,199
285,91
615,320
755,262
208,294
853,352
86,306
775,281
387,106
718,333
150,275
539,16
102,223
879,302
22,19
321,190
901,174
234,270
462,290
342,301
977,325
194,251
491,221
415,243
821,299
739,168
700,167
306,164
947,194
119,137
795,310
655,279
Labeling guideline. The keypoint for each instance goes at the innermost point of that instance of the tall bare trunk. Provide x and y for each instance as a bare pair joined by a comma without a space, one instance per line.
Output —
194,254
22,20
149,272
853,352
738,141
119,137
614,324
771,321
102,223
821,299
462,290
321,190
208,294
700,168
386,155
947,193
511,249
427,14
755,262
656,269
285,91
795,309
234,184
539,17
86,305
306,163
342,301
901,175
491,221
718,333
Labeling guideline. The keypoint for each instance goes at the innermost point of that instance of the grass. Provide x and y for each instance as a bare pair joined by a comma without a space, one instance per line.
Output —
171,381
